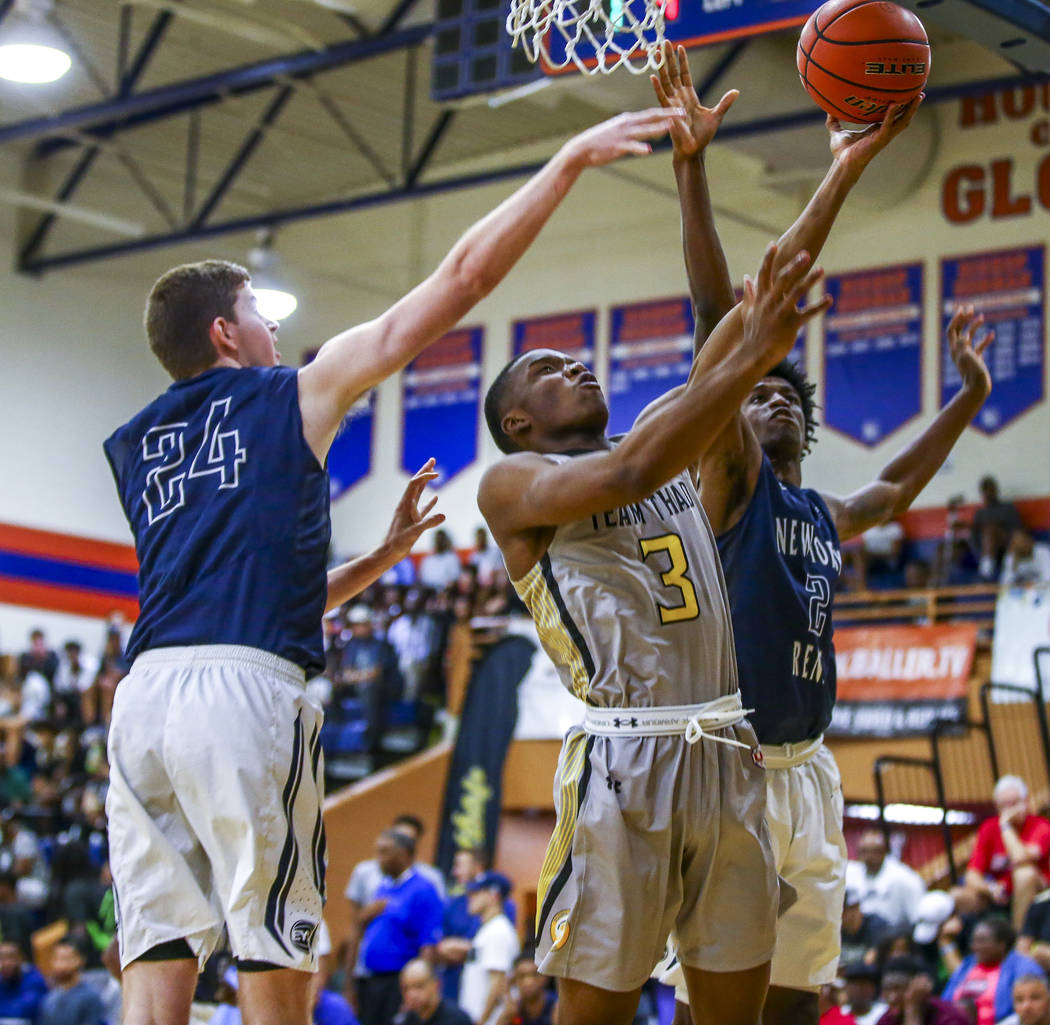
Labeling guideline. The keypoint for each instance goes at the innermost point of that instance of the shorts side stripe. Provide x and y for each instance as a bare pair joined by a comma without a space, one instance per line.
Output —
557,864
290,853
317,843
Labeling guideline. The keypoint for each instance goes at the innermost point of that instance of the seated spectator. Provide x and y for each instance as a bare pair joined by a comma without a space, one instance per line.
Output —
861,933
440,567
487,558
1010,863
495,945
421,999
993,524
886,887
862,990
1031,1002
881,551
531,1000
416,638
987,976
74,677
936,927
20,854
113,667
908,987
18,921
22,987
72,1001
34,703
1035,932
1027,561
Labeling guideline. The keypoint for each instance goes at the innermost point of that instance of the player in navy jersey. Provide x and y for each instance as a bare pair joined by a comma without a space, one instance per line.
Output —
215,789
780,543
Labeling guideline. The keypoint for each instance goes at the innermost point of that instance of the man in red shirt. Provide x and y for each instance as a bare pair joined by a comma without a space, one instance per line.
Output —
1011,859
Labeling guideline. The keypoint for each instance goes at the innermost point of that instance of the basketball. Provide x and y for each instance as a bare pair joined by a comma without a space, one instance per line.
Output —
856,57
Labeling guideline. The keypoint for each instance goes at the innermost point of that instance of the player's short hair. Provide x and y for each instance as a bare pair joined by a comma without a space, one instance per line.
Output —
414,822
1002,931
788,370
181,306
1031,979
494,409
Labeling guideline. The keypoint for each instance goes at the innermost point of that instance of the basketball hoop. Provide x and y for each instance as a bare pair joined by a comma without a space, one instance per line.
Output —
598,36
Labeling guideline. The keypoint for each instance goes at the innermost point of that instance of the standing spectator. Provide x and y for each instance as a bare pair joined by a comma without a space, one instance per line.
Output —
532,1001
402,922
370,670
22,987
492,951
113,667
74,677
440,567
936,927
35,698
907,986
20,855
17,920
1027,561
458,925
862,990
1010,863
993,523
861,933
1035,933
421,998
988,975
487,558
416,637
72,1001
39,658
887,887
1031,1002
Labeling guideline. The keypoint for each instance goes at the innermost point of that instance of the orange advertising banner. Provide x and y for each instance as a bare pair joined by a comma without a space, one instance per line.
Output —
897,680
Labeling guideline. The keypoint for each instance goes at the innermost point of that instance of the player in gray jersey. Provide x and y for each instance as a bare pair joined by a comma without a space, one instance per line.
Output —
660,794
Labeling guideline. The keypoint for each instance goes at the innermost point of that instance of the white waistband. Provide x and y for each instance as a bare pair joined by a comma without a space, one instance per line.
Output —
222,654
692,721
787,756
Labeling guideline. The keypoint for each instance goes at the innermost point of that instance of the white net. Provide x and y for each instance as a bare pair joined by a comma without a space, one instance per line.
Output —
598,36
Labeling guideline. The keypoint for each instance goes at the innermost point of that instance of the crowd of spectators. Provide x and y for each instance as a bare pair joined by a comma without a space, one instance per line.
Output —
990,545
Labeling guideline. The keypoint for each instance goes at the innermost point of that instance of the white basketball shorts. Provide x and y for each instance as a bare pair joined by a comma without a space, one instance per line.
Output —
214,805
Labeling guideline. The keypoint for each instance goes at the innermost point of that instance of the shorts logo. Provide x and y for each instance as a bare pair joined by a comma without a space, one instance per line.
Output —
302,935
560,929
757,757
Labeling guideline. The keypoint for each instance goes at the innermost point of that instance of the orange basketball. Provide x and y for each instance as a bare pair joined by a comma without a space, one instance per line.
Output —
856,57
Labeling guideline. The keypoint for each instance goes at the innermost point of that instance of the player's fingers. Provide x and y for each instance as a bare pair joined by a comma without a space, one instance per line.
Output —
983,344
671,63
749,291
833,123
803,286
658,88
807,313
788,277
683,67
430,522
430,505
765,269
723,105
426,467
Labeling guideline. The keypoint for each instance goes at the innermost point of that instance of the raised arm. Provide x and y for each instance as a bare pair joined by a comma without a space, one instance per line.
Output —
525,492
906,475
409,523
356,360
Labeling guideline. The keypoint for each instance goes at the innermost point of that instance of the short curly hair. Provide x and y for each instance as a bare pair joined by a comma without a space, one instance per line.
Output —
788,370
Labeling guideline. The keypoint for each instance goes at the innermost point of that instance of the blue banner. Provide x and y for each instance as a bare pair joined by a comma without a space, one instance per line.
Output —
350,457
440,393
571,333
651,351
1008,288
873,351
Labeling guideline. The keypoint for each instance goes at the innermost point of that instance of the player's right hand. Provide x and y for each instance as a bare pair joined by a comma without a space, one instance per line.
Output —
674,88
772,317
621,136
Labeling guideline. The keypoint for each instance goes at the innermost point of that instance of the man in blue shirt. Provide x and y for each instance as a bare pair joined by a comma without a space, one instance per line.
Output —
22,987
404,922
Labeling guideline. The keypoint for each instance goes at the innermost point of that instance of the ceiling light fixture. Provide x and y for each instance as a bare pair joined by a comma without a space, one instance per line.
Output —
274,301
31,52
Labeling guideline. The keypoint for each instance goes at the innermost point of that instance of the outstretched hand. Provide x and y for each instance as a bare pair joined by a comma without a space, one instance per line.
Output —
967,356
772,317
857,148
674,88
410,521
623,135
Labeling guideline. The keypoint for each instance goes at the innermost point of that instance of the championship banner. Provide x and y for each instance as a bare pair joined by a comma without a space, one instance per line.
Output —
651,351
1007,287
1022,636
873,351
475,778
895,681
440,393
571,333
350,457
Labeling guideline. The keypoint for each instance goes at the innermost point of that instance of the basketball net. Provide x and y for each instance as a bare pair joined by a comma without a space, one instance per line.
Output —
598,36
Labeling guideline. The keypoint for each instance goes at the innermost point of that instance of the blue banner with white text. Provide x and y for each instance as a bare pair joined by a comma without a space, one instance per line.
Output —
873,351
1007,286
651,351
441,389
